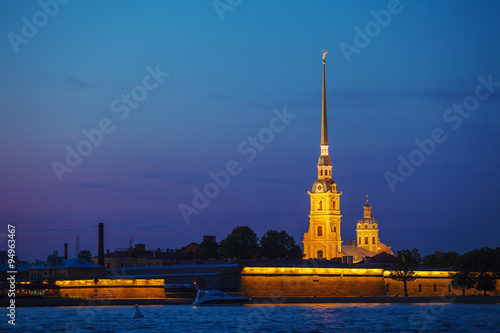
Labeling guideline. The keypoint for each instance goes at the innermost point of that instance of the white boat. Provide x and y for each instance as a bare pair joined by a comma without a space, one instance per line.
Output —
216,297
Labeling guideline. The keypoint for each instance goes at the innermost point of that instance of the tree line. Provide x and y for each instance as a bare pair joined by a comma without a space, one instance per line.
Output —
478,269
243,243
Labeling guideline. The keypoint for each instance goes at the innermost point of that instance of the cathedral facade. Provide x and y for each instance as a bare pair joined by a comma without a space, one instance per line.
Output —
323,239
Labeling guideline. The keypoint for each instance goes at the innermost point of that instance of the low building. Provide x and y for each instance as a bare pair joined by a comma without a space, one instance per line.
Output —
66,268
139,256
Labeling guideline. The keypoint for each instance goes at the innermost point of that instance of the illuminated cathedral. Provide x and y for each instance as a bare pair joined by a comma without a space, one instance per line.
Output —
323,240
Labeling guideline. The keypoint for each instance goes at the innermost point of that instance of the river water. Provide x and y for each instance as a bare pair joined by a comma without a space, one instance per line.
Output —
433,317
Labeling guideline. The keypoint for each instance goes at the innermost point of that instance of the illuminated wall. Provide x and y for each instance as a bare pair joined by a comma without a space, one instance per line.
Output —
429,283
309,282
112,288
335,282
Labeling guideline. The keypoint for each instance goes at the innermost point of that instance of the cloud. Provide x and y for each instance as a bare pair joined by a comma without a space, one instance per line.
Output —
107,224
181,178
52,229
86,185
77,83
155,227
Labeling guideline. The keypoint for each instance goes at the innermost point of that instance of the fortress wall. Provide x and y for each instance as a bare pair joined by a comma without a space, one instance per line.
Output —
112,288
310,282
279,282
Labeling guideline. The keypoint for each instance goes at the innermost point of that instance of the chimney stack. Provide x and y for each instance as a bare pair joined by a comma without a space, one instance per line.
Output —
100,250
65,250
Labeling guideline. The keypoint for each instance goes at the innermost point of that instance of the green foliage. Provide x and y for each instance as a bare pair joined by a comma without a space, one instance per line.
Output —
478,269
486,281
208,250
85,255
441,260
462,276
404,269
276,244
242,242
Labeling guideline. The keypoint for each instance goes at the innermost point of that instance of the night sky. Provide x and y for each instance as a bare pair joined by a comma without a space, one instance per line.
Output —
180,89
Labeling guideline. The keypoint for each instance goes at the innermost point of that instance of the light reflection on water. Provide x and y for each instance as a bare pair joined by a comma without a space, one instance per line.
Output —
263,318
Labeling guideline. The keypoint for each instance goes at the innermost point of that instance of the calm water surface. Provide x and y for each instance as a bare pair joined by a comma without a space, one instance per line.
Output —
263,318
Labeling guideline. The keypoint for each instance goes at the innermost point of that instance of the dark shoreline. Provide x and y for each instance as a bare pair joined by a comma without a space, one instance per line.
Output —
47,302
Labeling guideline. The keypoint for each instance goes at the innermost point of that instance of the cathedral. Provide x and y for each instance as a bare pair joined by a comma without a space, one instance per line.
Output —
323,240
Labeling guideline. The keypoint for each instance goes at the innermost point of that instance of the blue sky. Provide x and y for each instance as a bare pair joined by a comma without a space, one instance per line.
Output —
225,77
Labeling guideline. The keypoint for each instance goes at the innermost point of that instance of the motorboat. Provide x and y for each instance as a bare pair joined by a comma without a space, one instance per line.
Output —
216,297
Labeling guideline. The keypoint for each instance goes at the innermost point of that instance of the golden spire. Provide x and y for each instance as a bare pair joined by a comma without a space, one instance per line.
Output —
324,127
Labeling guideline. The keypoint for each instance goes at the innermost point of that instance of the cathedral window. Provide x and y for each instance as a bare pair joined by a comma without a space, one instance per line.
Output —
333,204
320,205
320,231
335,229
321,172
359,240
373,240
366,240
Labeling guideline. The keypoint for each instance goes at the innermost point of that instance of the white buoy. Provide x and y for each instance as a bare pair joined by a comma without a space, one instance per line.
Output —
137,312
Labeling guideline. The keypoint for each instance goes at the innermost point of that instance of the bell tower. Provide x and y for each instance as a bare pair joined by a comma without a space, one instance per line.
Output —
367,230
323,240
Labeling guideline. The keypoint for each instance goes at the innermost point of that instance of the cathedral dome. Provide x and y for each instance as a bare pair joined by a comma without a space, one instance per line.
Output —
323,185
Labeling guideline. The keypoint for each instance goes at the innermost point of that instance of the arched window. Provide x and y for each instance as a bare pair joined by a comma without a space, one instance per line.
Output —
333,204
335,229
320,254
320,231
359,241
373,240
320,205
366,240
321,172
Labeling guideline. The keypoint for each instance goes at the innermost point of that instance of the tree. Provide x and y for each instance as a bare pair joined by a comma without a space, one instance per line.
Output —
404,269
241,242
486,281
276,244
463,277
478,269
84,255
441,260
486,266
208,249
